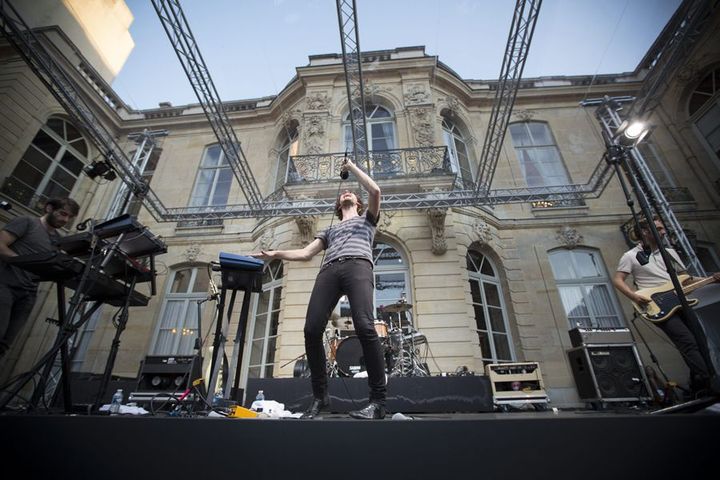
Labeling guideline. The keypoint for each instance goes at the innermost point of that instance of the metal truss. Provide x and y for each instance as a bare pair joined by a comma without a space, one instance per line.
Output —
516,50
696,14
609,117
352,63
67,92
145,142
183,42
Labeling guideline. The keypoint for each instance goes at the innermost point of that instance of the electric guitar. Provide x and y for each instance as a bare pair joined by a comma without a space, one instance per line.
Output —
664,299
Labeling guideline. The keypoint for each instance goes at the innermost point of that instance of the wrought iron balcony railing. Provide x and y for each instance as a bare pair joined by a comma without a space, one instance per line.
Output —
405,162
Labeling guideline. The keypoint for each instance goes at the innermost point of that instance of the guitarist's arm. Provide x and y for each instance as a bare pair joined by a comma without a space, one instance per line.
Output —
619,283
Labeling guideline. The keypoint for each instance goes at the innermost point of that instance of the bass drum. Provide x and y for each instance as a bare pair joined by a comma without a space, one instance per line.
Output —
349,357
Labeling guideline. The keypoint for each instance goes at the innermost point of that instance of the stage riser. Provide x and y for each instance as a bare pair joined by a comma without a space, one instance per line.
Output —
468,394
502,447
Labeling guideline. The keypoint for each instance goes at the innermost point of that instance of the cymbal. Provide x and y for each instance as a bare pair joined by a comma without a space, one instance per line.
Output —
397,307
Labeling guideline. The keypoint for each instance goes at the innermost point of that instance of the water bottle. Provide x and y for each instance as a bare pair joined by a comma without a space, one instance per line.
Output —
218,398
257,404
260,396
117,400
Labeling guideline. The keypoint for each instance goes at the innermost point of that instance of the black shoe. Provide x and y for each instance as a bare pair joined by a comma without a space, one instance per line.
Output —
316,406
374,411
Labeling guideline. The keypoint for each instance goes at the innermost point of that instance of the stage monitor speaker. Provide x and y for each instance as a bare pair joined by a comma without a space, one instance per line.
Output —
609,373
168,373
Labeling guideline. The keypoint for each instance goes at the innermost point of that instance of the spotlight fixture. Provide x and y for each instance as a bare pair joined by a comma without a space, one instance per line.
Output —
631,133
100,169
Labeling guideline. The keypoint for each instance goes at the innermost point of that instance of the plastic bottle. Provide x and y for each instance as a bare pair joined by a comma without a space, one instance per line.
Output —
257,404
218,398
260,396
117,400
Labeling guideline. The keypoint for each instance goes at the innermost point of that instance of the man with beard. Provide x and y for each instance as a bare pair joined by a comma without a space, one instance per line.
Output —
18,288
347,269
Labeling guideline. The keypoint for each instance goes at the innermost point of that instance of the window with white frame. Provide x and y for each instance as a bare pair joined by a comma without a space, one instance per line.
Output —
262,328
177,328
539,156
457,149
392,282
493,329
585,289
704,111
81,340
380,129
656,164
50,166
289,145
214,178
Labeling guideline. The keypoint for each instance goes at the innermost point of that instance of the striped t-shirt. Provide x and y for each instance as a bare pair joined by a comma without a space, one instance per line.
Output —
351,238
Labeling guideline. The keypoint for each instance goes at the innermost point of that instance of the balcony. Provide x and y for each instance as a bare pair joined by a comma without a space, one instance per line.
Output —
398,171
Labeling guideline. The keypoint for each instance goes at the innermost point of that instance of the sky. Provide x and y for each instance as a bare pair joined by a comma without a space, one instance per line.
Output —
252,47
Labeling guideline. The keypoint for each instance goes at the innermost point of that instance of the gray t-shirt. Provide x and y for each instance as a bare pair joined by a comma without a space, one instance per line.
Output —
654,273
351,238
32,237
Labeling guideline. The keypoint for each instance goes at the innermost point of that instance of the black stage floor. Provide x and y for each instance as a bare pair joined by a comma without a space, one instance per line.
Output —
527,445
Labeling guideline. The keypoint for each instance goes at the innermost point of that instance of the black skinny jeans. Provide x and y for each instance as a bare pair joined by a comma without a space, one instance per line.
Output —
354,278
683,338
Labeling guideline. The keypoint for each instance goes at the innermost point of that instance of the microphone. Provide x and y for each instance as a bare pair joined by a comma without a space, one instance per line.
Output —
344,174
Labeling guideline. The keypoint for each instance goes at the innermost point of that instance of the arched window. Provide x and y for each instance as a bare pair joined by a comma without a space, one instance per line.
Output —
262,329
704,111
177,329
50,166
491,319
539,156
289,144
214,178
457,149
380,129
585,289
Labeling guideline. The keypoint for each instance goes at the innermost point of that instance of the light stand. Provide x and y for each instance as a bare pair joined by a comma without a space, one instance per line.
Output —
619,155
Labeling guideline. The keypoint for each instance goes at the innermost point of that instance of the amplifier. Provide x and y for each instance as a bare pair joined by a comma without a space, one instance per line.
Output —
516,382
580,336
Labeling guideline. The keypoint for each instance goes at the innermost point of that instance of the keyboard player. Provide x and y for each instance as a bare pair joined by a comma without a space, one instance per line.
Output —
18,288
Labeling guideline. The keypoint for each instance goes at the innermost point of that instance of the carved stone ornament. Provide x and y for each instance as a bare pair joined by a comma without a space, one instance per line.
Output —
386,217
318,101
307,226
314,131
569,237
688,72
436,217
524,115
421,125
192,252
265,242
453,104
482,231
416,94
289,117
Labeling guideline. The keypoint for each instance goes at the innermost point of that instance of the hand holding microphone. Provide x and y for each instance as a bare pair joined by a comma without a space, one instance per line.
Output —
344,174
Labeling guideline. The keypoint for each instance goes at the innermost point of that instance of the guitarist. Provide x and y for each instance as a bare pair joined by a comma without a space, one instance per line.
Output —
646,265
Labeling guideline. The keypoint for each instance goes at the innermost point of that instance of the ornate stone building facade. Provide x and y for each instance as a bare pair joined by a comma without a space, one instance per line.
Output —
488,283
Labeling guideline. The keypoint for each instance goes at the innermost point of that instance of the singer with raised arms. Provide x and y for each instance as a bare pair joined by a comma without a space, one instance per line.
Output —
347,269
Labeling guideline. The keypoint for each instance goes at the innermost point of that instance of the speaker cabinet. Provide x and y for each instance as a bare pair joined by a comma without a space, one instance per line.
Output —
164,376
609,373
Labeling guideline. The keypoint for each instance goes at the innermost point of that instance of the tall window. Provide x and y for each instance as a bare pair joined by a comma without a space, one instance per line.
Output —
177,329
391,276
585,289
539,157
704,111
490,314
380,129
656,164
455,142
50,166
214,177
133,207
264,324
288,148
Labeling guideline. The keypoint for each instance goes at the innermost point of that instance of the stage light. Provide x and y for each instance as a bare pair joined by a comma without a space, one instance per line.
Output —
631,133
100,169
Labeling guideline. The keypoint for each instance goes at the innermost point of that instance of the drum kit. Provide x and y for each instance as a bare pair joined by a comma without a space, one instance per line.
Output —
400,340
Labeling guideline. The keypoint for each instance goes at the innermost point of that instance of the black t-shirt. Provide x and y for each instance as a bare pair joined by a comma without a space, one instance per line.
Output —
32,237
